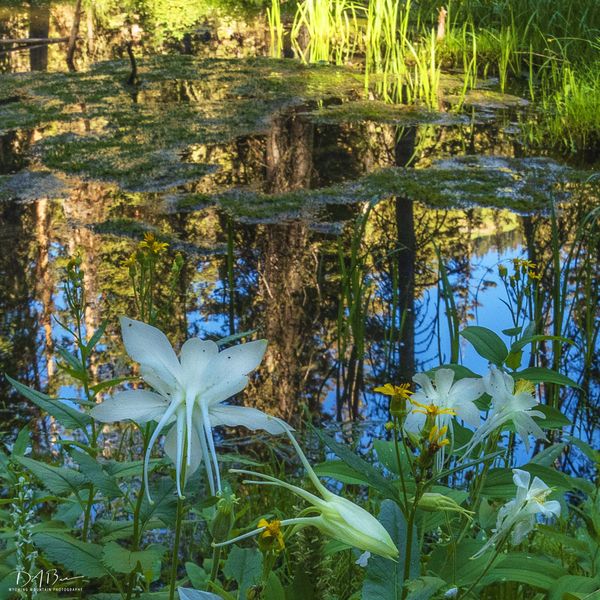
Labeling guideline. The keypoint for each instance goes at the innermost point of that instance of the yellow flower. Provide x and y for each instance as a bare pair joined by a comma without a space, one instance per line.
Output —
402,391
524,386
272,535
431,410
436,437
151,244
399,394
129,262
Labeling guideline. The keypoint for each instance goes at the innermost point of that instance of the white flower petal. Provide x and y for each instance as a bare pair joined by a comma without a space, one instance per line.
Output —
466,390
235,361
137,405
363,559
498,384
226,388
252,418
425,382
414,422
195,454
521,478
165,388
196,357
522,529
552,507
443,381
150,347
469,413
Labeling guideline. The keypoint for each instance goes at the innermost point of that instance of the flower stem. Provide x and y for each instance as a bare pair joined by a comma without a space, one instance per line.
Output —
399,462
216,558
409,539
487,568
175,560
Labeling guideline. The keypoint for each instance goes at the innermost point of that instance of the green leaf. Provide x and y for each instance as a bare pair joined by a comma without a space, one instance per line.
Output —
499,482
460,372
22,442
592,454
538,338
108,383
69,417
370,474
543,375
120,560
424,588
196,574
554,418
94,472
385,578
548,455
535,571
574,584
244,565
97,335
59,480
273,590
74,364
165,503
340,471
82,558
486,343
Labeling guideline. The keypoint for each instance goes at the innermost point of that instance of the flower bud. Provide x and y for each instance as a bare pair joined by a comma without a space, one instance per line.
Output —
224,518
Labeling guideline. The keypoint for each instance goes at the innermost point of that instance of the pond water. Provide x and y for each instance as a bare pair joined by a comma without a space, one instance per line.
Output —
260,172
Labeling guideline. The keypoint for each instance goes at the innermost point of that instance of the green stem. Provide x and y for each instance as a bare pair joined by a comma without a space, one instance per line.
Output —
216,558
399,462
175,560
409,540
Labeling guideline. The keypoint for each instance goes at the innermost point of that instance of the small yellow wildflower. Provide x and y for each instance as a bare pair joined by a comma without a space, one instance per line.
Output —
389,426
431,410
151,244
436,437
503,271
402,391
271,536
129,262
399,394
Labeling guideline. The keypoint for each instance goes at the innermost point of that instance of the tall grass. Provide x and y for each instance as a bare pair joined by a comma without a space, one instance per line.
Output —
326,30
275,29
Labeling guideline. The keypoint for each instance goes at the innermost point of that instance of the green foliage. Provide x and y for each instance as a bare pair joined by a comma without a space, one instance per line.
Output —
385,578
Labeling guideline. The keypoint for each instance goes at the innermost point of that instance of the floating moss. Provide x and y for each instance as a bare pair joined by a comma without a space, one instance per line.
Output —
522,185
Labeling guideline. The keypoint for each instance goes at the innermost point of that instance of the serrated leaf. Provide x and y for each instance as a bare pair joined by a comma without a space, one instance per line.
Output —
384,579
94,472
82,558
486,343
67,416
59,480
244,565
121,560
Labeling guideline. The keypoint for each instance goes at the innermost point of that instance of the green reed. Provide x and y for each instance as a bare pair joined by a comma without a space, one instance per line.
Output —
325,30
275,29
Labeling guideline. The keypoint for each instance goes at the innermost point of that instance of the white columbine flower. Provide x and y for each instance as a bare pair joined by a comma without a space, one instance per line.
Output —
519,515
336,517
455,398
511,402
189,392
